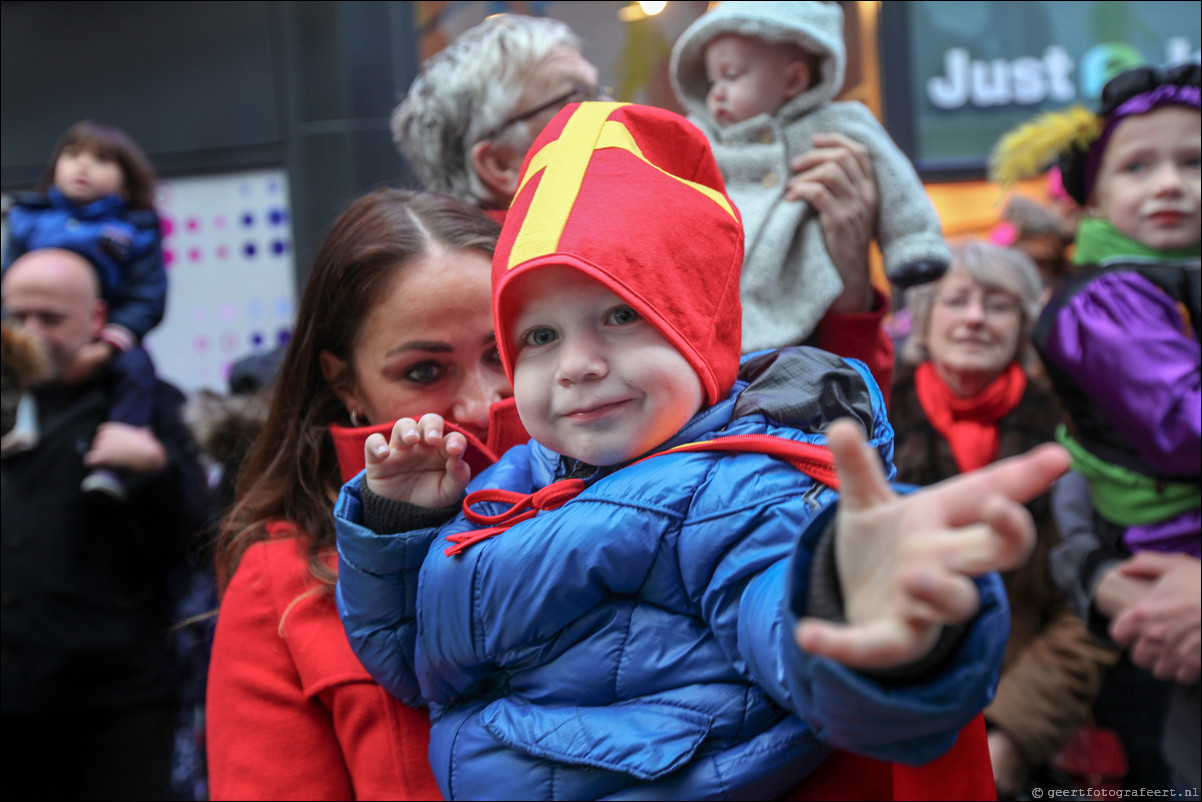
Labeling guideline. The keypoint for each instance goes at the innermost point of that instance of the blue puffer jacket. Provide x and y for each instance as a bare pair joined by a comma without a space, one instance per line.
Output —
637,642
123,244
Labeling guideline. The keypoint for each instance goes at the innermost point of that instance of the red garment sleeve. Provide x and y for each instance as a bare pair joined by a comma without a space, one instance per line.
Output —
265,739
294,715
862,336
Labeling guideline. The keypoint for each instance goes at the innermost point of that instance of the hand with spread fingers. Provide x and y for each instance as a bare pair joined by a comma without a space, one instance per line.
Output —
421,464
835,177
905,563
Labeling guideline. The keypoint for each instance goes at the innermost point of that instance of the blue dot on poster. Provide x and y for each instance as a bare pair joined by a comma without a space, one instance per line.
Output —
278,247
277,217
283,336
249,249
248,219
256,339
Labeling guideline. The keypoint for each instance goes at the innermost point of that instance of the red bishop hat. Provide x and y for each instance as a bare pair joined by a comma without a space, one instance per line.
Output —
631,196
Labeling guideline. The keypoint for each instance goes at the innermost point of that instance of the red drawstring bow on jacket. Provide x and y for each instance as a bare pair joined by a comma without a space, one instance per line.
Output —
814,461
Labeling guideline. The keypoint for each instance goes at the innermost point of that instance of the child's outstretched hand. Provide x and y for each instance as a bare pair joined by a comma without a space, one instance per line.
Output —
905,562
420,465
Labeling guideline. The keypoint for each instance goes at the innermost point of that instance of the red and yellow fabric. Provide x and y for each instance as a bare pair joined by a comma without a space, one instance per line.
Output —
672,247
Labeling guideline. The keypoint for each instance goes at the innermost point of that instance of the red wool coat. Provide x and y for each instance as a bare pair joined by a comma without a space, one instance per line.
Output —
291,712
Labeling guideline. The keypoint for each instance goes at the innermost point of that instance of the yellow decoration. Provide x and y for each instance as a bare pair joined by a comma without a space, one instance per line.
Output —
1031,148
566,160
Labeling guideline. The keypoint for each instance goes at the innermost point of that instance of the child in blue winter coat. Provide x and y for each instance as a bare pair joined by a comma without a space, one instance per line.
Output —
98,201
613,612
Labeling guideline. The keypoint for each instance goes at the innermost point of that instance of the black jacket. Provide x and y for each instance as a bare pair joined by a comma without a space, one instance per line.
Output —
85,592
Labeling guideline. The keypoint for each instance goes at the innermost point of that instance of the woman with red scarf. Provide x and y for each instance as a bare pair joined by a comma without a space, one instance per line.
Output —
963,399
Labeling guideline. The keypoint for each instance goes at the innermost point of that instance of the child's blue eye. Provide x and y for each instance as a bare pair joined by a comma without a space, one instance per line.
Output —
1135,167
538,336
621,316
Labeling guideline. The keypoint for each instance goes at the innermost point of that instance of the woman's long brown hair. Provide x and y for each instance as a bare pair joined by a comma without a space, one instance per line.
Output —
292,471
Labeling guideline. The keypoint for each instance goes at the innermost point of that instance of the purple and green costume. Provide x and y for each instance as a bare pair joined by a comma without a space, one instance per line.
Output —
1121,347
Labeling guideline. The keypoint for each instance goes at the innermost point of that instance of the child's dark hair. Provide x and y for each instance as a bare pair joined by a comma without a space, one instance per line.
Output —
108,142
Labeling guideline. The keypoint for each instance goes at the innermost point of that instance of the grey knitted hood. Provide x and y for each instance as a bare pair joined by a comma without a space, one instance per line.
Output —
816,26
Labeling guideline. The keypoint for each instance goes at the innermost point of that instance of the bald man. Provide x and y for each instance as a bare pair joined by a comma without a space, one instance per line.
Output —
88,681
55,295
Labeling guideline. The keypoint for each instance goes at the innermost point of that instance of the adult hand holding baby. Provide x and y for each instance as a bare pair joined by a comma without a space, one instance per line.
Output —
835,177
905,562
422,464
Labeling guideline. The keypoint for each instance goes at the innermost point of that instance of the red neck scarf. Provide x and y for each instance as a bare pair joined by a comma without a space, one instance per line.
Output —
969,424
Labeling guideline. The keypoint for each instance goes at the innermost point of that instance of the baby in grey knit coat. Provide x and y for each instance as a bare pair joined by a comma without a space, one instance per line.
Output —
758,78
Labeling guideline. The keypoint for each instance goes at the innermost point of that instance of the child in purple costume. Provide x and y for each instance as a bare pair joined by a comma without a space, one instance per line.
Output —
1121,342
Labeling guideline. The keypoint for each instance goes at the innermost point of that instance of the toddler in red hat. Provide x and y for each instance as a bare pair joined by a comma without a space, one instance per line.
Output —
662,595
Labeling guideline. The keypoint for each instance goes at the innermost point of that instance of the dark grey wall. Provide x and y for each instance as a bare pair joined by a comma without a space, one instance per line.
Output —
216,86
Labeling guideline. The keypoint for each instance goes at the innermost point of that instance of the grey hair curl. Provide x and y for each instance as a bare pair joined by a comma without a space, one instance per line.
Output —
468,89
991,266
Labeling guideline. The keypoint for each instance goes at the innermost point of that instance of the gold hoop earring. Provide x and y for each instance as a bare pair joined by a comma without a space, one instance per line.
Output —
355,420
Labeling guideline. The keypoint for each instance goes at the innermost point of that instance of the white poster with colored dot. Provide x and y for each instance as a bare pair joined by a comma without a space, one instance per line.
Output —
227,245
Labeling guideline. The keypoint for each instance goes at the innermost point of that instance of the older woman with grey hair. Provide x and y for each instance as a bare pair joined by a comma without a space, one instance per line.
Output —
478,104
963,399
1008,286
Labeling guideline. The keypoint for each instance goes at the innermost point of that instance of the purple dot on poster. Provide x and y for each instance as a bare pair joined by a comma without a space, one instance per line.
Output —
278,247
168,257
219,221
193,224
167,225
249,249
248,219
199,314
226,311
276,217
283,336
256,339
229,341
273,186
222,252
201,343
194,254
244,188
254,309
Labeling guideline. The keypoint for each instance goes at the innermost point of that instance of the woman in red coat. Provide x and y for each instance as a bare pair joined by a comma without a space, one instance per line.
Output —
395,320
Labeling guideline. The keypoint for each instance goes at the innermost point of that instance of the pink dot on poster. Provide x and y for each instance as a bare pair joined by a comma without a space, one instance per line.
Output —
199,314
226,366
222,252
168,257
229,341
194,255
226,312
201,343
168,225
219,221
